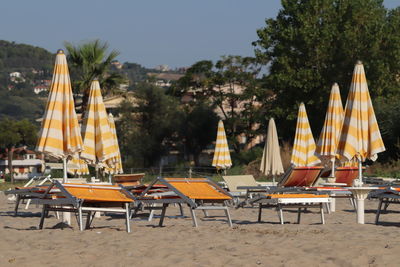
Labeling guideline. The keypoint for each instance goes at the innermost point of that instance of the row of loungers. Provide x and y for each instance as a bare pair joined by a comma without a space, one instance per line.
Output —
197,193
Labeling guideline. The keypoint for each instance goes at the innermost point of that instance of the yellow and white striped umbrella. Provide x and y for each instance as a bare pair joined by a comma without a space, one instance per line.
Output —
114,165
360,137
77,166
60,132
98,143
330,134
222,158
304,145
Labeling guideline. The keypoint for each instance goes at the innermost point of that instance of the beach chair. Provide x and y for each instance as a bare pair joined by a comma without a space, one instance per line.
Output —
197,193
236,185
386,196
300,176
84,198
25,193
295,200
128,179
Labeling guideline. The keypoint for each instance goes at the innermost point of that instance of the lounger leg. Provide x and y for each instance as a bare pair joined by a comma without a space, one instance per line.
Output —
322,214
193,217
228,216
80,219
378,211
205,213
181,209
259,213
27,204
42,217
386,206
280,214
128,225
164,209
17,201
135,211
298,215
88,218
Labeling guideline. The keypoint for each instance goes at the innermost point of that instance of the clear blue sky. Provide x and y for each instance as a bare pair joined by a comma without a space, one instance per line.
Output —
149,32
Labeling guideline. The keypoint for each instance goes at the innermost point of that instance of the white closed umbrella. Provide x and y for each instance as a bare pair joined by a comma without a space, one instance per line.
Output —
271,162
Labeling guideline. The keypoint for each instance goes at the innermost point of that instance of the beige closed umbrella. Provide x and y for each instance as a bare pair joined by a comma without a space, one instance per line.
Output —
271,162
360,138
329,138
60,132
222,158
304,144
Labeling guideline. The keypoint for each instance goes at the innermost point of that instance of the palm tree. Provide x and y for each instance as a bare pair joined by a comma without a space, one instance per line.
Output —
89,61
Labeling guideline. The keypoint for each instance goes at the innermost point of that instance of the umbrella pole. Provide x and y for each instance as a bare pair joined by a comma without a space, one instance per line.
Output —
273,179
64,169
333,167
360,171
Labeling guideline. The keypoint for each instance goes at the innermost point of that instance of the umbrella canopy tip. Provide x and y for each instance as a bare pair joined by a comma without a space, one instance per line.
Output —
359,62
60,51
335,84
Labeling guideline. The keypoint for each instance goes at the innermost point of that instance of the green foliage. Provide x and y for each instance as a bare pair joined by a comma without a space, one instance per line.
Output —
313,43
148,128
16,133
245,157
90,61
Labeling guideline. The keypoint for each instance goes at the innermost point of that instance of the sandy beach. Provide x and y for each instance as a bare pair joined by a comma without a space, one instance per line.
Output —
340,242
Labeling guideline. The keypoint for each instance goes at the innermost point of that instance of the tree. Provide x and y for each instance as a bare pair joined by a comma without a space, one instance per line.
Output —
16,133
149,126
313,43
89,61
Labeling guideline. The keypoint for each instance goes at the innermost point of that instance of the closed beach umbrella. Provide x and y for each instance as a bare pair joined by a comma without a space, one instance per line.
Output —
222,158
114,165
98,142
360,137
271,162
303,153
330,134
60,132
77,166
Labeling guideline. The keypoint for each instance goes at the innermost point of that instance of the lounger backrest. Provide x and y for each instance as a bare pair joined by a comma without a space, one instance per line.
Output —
99,193
197,188
301,176
128,179
233,181
346,175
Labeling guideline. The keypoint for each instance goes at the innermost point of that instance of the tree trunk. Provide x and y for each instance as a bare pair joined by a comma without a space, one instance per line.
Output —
10,165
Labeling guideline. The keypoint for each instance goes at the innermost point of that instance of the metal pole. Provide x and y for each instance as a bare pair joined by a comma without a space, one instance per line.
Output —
333,167
64,169
360,171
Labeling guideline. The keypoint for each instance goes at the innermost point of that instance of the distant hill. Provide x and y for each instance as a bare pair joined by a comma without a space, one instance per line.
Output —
23,57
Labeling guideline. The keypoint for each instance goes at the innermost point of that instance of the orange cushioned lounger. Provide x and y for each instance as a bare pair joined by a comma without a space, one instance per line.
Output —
302,176
197,189
295,196
108,193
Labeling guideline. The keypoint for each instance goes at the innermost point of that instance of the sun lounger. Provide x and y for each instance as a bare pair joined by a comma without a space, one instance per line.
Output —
300,176
237,184
128,179
386,196
295,200
25,192
197,193
84,198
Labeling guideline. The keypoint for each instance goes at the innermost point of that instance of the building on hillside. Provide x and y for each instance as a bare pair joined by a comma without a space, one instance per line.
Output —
40,88
26,163
164,79
16,77
116,64
162,68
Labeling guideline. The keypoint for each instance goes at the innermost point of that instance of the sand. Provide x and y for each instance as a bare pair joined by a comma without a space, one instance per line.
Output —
340,242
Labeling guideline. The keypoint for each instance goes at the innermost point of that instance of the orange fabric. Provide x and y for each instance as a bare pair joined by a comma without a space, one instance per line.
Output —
303,176
346,175
197,189
97,194
296,196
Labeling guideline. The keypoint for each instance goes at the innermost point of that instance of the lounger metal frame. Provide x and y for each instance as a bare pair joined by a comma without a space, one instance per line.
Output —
193,204
70,203
280,203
